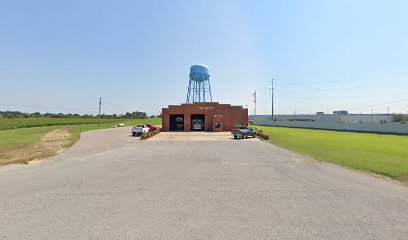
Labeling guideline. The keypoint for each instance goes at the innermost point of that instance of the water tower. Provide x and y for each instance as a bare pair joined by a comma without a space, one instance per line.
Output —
199,88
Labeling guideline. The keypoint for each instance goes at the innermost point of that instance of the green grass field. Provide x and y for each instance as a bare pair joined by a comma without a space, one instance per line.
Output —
32,134
13,123
377,153
25,139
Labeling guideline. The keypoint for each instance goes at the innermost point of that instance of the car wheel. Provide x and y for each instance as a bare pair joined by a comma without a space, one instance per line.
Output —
134,134
235,137
244,136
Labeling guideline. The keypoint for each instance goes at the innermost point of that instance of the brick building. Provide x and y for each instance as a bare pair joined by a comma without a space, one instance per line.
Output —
204,116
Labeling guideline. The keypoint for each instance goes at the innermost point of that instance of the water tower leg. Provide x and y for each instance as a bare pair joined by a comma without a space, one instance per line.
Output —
199,92
188,91
194,91
209,88
204,92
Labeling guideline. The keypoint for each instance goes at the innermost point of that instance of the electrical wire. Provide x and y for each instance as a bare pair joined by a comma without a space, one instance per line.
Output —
34,106
380,104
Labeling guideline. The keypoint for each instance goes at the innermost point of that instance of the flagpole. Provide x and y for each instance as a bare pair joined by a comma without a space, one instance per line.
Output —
254,96
255,103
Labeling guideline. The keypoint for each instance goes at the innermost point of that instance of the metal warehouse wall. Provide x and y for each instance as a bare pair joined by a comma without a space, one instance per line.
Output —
350,118
342,126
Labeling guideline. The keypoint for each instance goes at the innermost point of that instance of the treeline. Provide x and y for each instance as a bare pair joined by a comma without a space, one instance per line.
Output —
128,115
401,118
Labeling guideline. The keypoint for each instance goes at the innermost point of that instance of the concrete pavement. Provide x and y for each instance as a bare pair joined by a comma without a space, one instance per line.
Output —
196,136
113,186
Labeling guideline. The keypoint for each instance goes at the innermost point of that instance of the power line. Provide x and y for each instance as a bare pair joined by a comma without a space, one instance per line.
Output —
346,80
350,87
115,106
34,106
345,97
369,106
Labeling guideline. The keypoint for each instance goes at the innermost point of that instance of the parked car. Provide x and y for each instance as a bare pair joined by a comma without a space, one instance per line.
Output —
243,132
121,125
152,127
140,129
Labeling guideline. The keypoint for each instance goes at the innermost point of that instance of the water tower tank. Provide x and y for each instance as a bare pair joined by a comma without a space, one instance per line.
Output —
198,71
199,88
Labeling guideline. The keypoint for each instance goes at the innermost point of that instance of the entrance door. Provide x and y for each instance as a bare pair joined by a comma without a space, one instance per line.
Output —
176,122
197,122
218,123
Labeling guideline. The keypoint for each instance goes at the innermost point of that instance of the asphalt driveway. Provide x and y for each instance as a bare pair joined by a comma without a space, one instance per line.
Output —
113,186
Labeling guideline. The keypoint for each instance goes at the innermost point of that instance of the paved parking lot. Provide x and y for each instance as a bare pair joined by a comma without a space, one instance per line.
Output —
198,188
197,136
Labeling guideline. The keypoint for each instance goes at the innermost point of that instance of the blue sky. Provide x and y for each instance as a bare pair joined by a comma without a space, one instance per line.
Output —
61,56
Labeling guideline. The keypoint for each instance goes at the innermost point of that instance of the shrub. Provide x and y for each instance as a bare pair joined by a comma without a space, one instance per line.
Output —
262,136
258,130
398,118
149,134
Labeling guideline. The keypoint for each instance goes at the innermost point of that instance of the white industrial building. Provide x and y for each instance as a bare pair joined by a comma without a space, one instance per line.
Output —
378,123
348,118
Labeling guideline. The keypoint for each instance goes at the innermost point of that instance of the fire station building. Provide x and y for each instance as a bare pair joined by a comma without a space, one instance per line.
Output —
203,116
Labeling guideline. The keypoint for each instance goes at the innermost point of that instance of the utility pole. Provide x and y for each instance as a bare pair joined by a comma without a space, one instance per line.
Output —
271,90
99,113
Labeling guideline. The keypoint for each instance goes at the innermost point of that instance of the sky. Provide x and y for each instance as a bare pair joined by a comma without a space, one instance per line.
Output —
61,56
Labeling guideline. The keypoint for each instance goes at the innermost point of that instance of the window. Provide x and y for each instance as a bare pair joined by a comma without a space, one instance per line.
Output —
217,125
239,124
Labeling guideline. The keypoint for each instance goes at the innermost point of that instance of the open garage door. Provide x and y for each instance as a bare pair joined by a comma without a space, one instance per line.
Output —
197,122
176,122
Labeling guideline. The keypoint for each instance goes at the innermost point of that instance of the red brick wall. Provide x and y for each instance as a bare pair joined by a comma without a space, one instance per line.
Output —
231,114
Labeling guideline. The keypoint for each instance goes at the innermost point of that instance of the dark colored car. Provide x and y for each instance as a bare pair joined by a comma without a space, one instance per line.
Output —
243,132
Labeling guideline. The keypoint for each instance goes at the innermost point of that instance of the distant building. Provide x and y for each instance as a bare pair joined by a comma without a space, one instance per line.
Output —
338,118
341,112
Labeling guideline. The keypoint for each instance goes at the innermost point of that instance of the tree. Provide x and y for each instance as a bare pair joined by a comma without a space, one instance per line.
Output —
398,117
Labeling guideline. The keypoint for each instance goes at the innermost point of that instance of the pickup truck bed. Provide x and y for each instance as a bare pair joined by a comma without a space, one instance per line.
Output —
243,132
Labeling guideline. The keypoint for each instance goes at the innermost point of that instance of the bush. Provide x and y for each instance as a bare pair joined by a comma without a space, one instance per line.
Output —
149,134
262,136
258,130
398,118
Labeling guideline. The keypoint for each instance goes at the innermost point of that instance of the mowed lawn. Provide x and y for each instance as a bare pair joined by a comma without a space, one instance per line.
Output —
377,153
24,144
14,123
33,134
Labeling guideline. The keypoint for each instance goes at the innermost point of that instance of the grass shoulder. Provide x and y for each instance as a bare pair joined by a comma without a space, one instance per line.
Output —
377,153
22,145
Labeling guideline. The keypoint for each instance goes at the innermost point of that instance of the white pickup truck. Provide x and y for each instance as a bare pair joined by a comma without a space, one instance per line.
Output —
140,129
